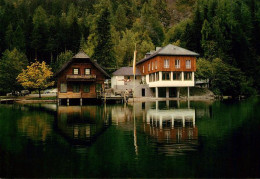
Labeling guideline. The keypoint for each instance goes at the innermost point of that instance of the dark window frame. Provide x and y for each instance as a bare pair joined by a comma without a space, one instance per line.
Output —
186,75
188,66
86,86
97,90
164,76
177,65
74,86
166,63
65,91
176,79
73,72
89,71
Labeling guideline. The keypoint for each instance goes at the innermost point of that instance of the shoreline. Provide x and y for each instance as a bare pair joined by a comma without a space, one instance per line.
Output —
151,99
130,100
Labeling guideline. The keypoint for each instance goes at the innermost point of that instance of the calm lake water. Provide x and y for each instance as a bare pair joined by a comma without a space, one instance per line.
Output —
153,139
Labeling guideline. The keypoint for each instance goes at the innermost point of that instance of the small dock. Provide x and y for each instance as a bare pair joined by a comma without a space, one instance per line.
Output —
114,99
110,98
7,101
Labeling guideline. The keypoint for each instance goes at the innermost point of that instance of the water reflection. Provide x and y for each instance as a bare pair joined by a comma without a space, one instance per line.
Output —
81,124
35,127
174,130
163,139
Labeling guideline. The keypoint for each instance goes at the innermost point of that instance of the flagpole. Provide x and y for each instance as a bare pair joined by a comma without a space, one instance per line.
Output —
134,63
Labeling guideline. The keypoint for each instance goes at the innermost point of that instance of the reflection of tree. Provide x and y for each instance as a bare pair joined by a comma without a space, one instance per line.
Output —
35,127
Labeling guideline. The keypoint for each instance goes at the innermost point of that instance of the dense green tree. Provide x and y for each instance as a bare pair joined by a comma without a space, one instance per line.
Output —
223,29
62,59
103,52
40,31
151,23
120,19
163,14
224,79
125,48
11,64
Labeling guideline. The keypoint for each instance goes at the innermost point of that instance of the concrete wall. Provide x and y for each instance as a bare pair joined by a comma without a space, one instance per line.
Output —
117,81
137,90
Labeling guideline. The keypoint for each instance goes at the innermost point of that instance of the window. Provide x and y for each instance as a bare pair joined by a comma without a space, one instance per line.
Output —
75,71
76,88
155,65
143,69
187,75
143,80
98,87
157,76
148,66
152,65
151,77
63,88
177,64
166,76
176,76
188,64
86,88
166,63
87,71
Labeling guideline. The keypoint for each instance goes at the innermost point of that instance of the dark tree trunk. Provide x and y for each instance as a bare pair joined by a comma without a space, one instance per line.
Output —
39,93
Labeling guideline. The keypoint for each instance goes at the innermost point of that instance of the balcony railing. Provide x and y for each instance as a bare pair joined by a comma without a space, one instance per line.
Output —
81,77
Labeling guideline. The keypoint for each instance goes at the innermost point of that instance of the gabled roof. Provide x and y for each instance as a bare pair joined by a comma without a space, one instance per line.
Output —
81,55
126,71
170,50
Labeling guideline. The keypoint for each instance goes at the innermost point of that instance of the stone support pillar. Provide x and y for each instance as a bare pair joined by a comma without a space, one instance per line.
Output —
188,92
161,122
172,122
81,101
178,93
167,92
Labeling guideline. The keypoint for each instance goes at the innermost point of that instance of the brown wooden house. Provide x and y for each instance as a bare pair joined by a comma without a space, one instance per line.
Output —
80,78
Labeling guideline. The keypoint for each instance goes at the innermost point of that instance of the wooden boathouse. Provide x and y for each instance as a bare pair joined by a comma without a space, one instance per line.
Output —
80,79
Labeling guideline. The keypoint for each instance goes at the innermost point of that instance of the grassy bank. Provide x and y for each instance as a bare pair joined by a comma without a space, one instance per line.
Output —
42,98
196,91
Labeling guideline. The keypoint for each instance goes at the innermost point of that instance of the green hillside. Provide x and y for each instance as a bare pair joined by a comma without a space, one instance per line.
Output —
107,30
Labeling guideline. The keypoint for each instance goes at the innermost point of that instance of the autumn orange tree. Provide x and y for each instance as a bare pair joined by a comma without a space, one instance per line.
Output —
37,76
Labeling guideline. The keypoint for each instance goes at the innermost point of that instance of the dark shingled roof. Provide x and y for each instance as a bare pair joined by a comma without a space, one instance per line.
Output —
126,71
170,50
81,55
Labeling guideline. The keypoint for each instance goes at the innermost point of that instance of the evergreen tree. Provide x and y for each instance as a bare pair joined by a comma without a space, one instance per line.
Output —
120,19
103,52
11,64
39,33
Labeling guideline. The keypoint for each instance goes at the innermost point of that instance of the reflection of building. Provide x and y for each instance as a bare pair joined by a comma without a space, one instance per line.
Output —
121,114
174,130
171,118
81,125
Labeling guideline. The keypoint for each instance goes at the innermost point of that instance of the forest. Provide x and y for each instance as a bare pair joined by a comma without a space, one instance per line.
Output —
226,34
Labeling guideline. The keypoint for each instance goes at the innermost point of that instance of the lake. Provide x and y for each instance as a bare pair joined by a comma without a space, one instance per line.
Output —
152,139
